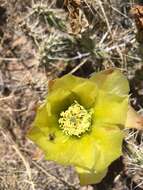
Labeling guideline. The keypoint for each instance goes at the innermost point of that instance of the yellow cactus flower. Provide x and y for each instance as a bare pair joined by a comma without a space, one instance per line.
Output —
81,121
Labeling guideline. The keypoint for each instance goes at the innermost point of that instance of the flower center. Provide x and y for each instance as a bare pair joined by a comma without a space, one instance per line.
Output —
76,120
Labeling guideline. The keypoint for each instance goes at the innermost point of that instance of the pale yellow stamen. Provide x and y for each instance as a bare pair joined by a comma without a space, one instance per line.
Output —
76,120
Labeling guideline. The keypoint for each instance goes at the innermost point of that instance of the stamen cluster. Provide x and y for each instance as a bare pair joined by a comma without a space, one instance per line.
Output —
76,120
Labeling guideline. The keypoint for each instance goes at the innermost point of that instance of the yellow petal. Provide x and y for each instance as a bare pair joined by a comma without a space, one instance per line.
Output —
43,118
59,100
109,139
67,82
112,81
66,150
90,176
86,92
110,108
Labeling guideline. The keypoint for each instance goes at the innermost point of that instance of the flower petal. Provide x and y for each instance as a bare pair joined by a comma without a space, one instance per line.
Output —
59,100
67,82
109,139
111,80
90,176
81,152
86,92
110,108
44,121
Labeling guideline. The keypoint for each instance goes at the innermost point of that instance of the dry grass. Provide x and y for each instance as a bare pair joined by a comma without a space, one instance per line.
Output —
133,157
